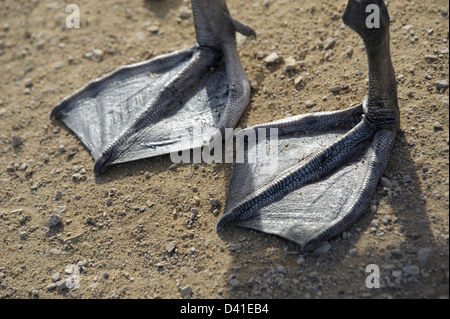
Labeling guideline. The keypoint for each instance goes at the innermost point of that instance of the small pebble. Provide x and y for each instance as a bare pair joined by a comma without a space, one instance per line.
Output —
300,260
186,292
329,43
58,65
407,179
170,247
98,53
56,276
54,220
51,286
273,58
385,182
16,141
23,235
323,248
349,52
298,81
437,126
335,89
290,64
184,13
28,82
281,269
214,202
411,270
59,209
442,84
61,284
422,256
430,58
72,150
309,104
234,283
153,29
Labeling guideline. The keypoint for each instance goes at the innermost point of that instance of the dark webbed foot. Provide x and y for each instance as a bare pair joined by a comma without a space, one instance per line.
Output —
148,108
329,164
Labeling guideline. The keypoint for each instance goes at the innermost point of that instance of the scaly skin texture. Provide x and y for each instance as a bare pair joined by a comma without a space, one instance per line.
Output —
215,33
216,42
374,123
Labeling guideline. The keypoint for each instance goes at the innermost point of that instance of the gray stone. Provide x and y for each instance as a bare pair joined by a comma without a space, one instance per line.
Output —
298,81
422,256
335,89
349,52
411,270
59,209
273,58
153,29
442,84
58,65
281,270
170,247
430,58
186,292
23,235
309,104
234,283
385,182
58,195
61,285
329,43
51,286
184,13
16,141
407,179
323,248
290,64
56,276
214,202
54,220
28,82
97,53
437,126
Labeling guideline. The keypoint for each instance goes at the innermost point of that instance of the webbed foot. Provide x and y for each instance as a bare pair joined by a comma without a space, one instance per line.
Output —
329,164
149,108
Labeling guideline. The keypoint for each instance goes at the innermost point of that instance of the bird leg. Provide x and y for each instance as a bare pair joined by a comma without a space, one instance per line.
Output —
330,163
127,114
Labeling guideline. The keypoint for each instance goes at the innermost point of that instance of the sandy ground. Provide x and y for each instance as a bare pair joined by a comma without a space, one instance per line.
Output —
112,241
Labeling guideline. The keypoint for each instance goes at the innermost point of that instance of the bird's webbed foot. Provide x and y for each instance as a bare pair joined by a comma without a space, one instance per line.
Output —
316,185
159,106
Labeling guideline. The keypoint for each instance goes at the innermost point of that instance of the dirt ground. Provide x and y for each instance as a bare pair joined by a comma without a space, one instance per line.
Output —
129,232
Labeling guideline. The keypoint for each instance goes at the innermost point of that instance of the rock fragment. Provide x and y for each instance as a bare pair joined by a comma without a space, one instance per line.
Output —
329,43
170,247
186,292
273,58
54,220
